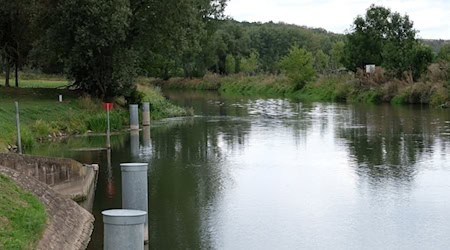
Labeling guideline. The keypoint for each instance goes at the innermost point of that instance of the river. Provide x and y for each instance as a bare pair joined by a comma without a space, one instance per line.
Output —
279,174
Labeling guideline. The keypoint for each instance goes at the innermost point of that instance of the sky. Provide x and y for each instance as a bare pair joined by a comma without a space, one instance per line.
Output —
431,17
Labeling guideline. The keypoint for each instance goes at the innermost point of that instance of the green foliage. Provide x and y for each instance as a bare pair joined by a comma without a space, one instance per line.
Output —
422,57
298,66
388,39
321,61
22,217
98,122
337,55
230,64
159,106
444,53
249,65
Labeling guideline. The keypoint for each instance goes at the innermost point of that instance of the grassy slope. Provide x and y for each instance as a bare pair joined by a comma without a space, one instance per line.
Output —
22,217
41,114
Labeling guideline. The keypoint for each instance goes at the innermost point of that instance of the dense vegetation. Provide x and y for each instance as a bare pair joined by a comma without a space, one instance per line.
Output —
102,46
22,217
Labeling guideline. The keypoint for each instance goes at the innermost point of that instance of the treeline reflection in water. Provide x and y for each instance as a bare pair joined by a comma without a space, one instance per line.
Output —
199,165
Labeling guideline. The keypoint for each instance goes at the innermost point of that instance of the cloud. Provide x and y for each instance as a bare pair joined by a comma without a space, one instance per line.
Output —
429,17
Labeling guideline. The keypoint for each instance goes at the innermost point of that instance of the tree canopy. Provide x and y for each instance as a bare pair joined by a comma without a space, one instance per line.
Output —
387,39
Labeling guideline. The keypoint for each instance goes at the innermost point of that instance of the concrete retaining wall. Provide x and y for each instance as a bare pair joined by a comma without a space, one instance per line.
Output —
69,225
66,176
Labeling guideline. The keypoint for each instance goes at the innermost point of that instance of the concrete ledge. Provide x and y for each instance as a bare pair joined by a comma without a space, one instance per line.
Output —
69,226
66,176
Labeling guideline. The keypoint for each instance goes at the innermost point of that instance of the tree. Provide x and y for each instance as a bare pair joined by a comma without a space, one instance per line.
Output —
422,57
102,43
382,38
249,65
298,66
16,18
321,61
230,64
444,53
337,55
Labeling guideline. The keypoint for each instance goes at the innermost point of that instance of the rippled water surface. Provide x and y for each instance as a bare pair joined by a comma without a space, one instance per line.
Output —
277,174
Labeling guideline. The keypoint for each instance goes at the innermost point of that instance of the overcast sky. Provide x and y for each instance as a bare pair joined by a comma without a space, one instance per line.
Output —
431,17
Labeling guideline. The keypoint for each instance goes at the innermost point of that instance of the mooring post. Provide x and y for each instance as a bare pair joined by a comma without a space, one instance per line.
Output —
134,189
19,142
123,229
145,114
134,117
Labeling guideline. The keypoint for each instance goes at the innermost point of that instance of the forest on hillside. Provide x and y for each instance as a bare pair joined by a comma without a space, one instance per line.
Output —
101,46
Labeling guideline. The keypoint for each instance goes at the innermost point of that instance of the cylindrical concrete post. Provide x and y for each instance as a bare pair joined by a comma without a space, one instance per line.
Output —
146,114
134,189
134,117
123,229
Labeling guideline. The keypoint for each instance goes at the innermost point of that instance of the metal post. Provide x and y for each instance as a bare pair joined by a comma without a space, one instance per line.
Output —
146,114
123,229
108,140
19,142
134,189
134,117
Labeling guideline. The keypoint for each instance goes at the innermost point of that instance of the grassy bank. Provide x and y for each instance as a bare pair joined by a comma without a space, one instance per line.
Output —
22,217
43,117
339,88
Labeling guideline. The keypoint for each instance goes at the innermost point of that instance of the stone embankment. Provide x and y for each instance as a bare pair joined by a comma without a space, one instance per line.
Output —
55,181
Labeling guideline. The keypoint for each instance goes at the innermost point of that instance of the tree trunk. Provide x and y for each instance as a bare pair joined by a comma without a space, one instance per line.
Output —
7,71
16,74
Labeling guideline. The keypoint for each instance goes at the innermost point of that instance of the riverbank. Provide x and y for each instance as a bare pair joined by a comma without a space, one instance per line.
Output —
337,88
66,224
22,216
44,118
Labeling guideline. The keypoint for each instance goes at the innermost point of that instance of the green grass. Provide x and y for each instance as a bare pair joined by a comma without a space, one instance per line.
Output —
22,217
336,88
160,107
43,83
41,114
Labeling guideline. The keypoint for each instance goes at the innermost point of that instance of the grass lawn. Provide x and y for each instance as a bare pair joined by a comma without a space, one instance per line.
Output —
22,217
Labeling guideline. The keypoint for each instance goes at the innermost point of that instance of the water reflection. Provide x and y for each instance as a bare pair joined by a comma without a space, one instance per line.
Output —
134,144
277,174
110,187
387,142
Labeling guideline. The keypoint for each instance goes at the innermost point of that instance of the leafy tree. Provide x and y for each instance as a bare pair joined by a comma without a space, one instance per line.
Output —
298,65
337,55
249,65
321,61
230,64
16,34
422,57
444,53
102,43
383,38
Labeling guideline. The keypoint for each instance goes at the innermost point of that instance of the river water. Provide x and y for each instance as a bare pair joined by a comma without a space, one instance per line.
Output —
278,174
